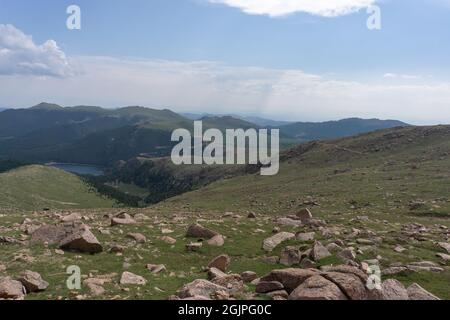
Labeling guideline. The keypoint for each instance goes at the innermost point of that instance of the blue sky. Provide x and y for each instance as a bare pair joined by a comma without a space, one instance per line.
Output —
196,55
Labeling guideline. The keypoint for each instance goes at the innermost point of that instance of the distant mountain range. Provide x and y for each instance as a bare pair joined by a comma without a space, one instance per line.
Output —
308,131
262,122
94,135
2,109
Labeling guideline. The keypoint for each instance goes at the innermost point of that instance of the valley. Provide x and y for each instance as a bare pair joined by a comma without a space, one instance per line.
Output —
379,199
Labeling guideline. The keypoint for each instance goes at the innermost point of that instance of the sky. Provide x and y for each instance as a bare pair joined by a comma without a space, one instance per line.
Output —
304,60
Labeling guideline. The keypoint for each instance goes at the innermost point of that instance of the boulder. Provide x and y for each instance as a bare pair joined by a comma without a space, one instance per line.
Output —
198,231
278,295
9,240
319,252
416,292
11,289
221,262
334,248
71,217
216,241
233,283
251,215
290,278
271,243
289,222
168,240
33,282
317,288
138,237
215,273
443,256
347,254
269,286
347,270
309,236
445,246
290,256
156,268
122,219
82,241
54,234
350,284
200,288
304,215
194,246
95,286
129,278
248,276
394,290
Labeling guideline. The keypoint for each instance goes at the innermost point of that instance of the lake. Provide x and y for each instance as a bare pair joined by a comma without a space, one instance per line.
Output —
80,169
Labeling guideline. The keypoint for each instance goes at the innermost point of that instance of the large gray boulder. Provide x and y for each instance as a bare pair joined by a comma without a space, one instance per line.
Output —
11,289
271,243
317,288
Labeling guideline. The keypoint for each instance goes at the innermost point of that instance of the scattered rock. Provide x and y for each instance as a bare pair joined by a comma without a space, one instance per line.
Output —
394,290
200,288
278,295
350,284
305,215
95,286
215,273
198,231
156,268
290,256
33,282
416,292
319,252
71,217
166,231
271,260
317,288
9,240
347,254
216,241
11,289
309,236
248,276
168,240
290,278
268,286
221,262
271,243
443,256
138,237
122,219
445,246
82,241
289,222
129,278
194,246
233,282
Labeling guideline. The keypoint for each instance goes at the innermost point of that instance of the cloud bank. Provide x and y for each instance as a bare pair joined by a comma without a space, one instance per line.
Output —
208,86
213,87
19,55
276,8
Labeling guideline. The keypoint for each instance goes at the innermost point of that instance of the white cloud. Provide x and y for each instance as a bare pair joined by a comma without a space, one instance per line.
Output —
402,76
275,8
206,86
19,55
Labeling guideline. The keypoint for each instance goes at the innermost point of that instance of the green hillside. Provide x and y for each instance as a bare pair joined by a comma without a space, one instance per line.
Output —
38,187
384,171
308,131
